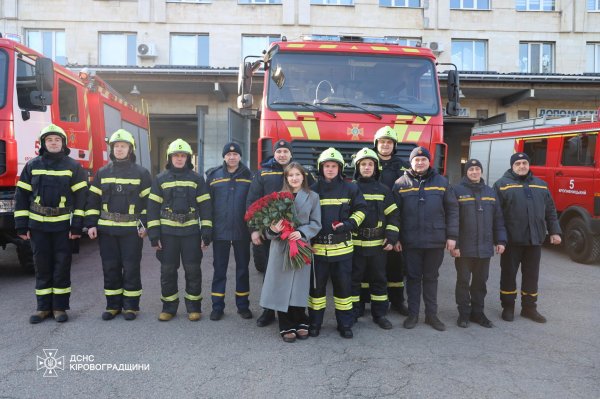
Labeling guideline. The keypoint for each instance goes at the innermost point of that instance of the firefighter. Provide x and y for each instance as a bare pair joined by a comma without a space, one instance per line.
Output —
375,237
49,210
481,230
116,214
392,167
428,223
177,198
228,185
529,212
343,209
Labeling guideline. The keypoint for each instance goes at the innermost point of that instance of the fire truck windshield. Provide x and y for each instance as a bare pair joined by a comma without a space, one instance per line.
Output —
3,77
380,83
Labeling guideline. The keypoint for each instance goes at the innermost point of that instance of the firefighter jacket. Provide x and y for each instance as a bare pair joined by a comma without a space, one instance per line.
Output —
51,194
228,192
392,169
428,210
118,197
341,201
480,219
528,208
381,219
178,197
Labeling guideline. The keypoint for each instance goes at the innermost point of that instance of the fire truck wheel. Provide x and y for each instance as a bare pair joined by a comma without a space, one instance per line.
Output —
25,256
582,246
260,257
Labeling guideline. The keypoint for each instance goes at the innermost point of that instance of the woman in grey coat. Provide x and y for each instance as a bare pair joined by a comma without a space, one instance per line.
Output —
286,291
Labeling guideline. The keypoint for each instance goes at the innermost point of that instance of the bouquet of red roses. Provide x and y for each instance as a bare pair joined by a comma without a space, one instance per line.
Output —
271,209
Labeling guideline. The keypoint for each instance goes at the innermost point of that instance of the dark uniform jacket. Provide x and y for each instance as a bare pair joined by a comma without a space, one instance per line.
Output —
481,220
179,193
528,208
392,169
428,210
228,192
382,213
51,194
118,197
341,201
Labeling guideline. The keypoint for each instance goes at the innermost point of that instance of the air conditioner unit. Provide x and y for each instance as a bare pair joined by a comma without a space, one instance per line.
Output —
436,47
146,50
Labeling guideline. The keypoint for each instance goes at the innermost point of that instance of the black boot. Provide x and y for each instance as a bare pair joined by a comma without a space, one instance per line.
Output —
40,316
480,319
532,314
411,321
508,313
463,320
383,322
314,330
400,308
434,322
266,318
345,332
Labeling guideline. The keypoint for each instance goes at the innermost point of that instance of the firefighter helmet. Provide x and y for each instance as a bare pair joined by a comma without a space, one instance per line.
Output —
179,145
365,153
386,132
123,136
53,129
331,154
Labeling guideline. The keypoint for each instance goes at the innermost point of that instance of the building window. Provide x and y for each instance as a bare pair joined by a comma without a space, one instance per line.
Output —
593,57
470,4
189,49
400,3
51,43
67,102
259,1
255,45
536,57
469,55
522,114
404,41
117,49
535,5
189,1
332,2
593,5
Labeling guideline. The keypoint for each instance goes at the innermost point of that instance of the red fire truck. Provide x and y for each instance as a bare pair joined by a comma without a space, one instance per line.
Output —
335,91
35,92
564,153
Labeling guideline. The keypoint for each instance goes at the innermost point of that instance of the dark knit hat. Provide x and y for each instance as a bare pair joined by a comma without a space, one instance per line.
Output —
517,156
419,152
282,144
232,147
473,162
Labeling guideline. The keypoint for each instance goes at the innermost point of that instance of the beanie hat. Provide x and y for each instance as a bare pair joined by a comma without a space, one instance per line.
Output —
518,156
473,162
232,147
282,144
419,152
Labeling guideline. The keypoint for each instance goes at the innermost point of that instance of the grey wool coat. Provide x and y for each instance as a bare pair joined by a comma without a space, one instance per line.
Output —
284,288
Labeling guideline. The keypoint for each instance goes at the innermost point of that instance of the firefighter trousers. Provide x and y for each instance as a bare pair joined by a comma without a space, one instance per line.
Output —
528,258
52,259
341,278
187,249
422,266
371,269
395,270
471,278
121,256
241,253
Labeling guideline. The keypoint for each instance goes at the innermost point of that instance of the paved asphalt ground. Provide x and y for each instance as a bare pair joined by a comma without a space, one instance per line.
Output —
234,358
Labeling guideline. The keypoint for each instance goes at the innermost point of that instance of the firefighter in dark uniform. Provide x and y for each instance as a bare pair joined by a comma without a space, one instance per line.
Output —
529,213
177,198
392,167
116,213
343,209
374,238
428,223
481,230
228,185
49,210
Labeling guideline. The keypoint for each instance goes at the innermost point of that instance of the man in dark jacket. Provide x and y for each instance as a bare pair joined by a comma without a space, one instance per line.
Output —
529,213
481,228
428,223
49,210
228,186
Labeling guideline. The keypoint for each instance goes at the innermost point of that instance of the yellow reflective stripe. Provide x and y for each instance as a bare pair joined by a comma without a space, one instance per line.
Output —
374,197
45,291
78,186
62,202
202,198
538,186
355,298
435,188
59,291
21,214
317,303
191,297
392,228
342,303
96,190
244,180
508,292
171,298
143,212
79,212
527,293
333,249
488,199
132,293
206,223
242,293
37,172
117,180
111,223
219,181
113,292
466,199
217,294
145,192
358,217
178,183
173,223
334,201
379,297
37,199
365,243
24,185
395,284
105,207
131,209
390,209
364,285
90,212
49,219
510,186
153,223
270,173
155,198
404,190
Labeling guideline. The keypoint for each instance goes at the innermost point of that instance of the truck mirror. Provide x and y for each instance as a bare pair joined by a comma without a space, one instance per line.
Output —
453,86
452,108
44,74
245,101
40,98
278,76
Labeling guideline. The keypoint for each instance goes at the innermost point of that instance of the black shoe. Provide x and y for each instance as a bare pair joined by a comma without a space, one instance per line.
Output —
60,316
40,316
110,314
400,308
383,322
216,315
532,314
345,332
130,315
480,319
508,313
314,330
434,322
463,320
245,313
410,322
266,318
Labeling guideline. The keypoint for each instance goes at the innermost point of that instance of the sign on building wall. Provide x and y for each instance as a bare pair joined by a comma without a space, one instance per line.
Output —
565,112
462,112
